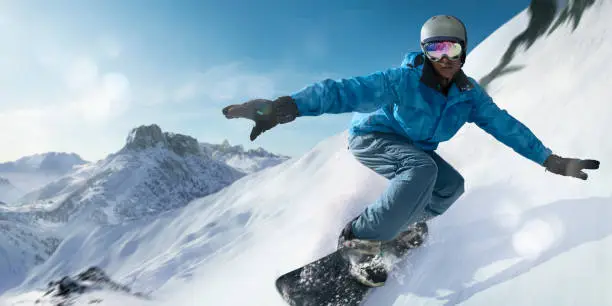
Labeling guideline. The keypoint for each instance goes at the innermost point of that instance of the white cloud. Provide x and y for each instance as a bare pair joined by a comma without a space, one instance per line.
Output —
72,93
153,95
89,93
187,91
24,131
81,73
57,91
226,82
92,95
106,97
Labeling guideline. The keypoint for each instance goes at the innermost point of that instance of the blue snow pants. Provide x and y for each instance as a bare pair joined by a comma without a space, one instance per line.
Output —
422,185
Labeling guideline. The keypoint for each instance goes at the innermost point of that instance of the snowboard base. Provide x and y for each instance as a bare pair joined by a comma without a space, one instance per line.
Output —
327,281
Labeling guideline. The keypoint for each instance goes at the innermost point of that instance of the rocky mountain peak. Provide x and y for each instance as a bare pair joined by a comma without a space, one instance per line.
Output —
145,136
225,144
69,289
183,144
152,136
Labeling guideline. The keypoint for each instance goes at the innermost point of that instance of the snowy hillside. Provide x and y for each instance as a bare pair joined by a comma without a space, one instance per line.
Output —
519,236
8,192
32,172
246,161
154,172
21,247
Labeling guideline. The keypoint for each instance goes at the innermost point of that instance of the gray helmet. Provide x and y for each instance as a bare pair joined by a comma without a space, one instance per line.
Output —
445,27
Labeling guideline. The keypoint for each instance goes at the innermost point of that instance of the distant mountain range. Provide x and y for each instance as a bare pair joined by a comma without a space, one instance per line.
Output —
52,163
153,172
32,172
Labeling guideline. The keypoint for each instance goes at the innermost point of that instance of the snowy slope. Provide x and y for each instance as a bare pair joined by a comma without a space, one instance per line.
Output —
8,192
519,236
21,247
556,90
246,161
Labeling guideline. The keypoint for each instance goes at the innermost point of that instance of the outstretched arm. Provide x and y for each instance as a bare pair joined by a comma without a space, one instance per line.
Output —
516,135
506,129
358,94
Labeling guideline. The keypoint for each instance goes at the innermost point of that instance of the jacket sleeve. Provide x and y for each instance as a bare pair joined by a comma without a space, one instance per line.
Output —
358,94
506,129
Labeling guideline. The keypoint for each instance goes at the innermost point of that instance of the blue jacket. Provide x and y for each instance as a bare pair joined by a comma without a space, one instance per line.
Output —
408,101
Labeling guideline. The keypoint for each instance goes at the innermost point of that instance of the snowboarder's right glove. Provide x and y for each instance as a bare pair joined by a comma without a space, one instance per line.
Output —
570,166
266,113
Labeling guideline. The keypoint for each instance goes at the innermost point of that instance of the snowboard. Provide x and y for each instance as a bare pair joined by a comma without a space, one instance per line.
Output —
326,281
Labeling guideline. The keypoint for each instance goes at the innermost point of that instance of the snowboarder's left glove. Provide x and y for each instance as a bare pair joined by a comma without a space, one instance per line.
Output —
266,113
570,166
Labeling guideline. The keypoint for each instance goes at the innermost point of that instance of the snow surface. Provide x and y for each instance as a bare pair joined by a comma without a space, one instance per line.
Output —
519,236
22,247
8,192
245,161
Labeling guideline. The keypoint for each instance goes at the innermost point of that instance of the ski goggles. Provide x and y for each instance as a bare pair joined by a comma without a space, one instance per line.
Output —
437,49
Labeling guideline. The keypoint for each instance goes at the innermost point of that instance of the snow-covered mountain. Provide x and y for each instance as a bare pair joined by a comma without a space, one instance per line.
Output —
246,161
21,248
8,192
154,172
519,235
52,162
32,172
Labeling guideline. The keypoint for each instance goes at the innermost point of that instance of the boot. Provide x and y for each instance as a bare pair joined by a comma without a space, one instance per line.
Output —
364,256
412,238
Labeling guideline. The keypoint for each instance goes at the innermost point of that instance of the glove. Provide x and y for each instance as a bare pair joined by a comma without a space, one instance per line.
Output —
570,166
266,113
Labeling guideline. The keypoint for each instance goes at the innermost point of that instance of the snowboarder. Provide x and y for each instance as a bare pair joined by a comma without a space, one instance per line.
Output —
400,117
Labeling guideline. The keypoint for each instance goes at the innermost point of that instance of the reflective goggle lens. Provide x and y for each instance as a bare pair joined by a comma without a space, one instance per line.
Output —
435,50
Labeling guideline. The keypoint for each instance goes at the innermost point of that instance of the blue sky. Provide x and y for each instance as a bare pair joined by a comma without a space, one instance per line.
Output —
76,76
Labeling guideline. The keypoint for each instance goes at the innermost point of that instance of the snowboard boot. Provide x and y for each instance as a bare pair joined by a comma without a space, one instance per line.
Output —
364,256
412,238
